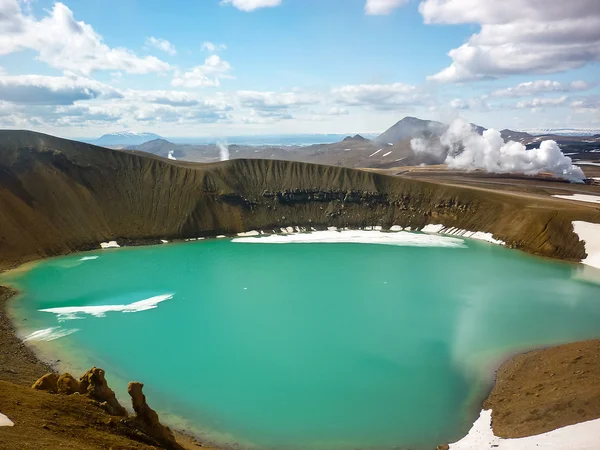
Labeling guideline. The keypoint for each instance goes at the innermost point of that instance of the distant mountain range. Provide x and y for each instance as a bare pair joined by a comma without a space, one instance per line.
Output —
124,138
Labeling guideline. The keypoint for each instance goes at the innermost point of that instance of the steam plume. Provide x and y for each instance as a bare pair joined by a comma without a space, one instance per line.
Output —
171,155
223,151
460,147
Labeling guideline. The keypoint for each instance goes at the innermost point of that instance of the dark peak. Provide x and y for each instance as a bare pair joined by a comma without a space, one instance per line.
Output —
356,137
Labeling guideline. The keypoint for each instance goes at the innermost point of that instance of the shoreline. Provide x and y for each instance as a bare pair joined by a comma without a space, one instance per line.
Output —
39,366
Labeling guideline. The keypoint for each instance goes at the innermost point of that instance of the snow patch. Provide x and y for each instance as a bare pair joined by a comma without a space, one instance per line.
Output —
386,154
71,312
582,436
373,154
5,421
580,198
357,237
109,244
589,233
396,228
479,235
249,233
162,241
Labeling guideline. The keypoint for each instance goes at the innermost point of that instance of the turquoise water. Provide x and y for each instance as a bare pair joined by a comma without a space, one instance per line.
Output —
320,346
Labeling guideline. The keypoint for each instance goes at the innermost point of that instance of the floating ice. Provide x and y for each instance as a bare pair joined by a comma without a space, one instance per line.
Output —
88,258
71,312
50,334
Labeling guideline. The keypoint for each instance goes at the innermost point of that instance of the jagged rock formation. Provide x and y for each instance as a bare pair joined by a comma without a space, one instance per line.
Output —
93,383
59,196
146,418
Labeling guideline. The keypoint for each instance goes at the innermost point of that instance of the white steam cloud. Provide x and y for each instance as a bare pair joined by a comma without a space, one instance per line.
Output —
223,151
171,155
461,147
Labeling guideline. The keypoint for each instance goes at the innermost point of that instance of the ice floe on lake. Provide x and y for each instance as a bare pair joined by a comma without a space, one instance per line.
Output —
49,334
88,258
74,312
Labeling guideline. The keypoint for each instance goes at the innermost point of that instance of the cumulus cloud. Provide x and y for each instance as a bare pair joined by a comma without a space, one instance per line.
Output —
47,90
66,44
540,86
212,47
461,147
378,96
518,36
251,5
208,74
265,100
383,7
586,105
161,44
335,111
542,102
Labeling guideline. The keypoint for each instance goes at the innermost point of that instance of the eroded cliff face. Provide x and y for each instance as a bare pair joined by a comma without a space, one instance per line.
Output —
58,196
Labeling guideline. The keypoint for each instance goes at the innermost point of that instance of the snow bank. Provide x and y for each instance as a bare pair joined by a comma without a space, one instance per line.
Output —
479,235
401,238
582,436
71,312
5,421
590,234
110,244
580,198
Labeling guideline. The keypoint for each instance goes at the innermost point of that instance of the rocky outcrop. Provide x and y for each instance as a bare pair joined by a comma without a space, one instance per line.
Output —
93,384
67,384
47,383
146,419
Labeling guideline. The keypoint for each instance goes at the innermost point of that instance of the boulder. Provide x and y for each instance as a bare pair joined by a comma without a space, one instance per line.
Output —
67,384
94,385
146,419
47,383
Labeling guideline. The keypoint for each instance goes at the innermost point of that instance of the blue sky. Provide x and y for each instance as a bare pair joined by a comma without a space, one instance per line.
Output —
81,68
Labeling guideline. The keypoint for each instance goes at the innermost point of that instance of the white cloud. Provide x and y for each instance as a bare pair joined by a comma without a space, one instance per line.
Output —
586,105
542,102
378,96
212,47
206,75
335,111
251,5
540,86
383,7
262,100
46,90
161,44
518,36
470,103
66,44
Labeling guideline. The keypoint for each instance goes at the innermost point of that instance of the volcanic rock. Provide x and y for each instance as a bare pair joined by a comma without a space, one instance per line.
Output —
93,383
146,419
47,383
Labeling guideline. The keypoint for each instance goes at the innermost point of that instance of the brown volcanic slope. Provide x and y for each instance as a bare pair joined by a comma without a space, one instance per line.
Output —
57,196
